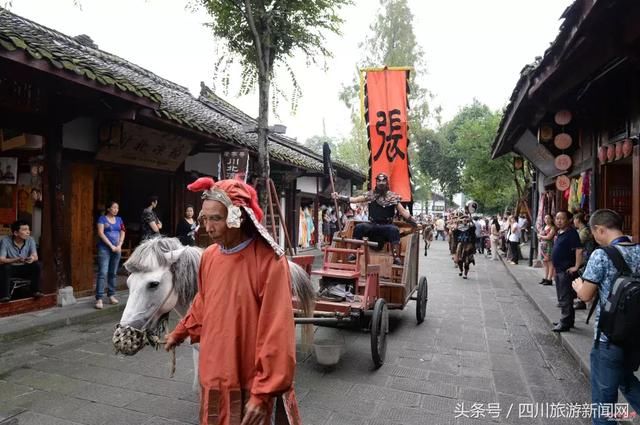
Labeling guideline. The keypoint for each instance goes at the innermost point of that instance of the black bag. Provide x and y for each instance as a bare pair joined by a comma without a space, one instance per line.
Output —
620,314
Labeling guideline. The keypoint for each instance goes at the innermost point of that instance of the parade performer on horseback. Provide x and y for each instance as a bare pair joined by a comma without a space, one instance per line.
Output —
383,205
241,315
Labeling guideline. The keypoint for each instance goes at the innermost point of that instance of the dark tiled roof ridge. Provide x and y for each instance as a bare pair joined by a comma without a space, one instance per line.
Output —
102,54
211,98
570,19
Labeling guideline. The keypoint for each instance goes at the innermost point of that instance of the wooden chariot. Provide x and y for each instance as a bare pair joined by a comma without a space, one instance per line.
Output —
376,283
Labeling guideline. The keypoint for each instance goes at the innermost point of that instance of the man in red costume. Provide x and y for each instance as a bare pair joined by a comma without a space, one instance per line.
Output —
242,315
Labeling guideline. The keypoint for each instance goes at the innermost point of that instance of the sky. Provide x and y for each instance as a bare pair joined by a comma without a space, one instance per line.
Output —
473,49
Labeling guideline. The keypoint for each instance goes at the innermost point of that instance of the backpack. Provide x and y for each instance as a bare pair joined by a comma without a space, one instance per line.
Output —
620,314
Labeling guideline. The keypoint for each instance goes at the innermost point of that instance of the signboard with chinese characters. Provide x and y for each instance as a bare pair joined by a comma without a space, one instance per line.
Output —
235,165
386,117
132,144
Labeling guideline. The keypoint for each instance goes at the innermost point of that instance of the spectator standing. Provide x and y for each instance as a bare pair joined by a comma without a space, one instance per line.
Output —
547,234
110,238
151,224
495,238
187,227
19,258
514,240
612,366
586,239
566,257
479,223
440,227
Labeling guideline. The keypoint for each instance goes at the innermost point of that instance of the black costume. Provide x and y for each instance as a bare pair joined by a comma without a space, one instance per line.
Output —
382,210
465,237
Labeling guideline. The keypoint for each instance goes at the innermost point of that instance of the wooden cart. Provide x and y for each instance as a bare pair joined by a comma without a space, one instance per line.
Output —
377,285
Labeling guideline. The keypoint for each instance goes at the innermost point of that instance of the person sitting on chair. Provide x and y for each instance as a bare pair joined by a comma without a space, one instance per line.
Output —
18,258
383,205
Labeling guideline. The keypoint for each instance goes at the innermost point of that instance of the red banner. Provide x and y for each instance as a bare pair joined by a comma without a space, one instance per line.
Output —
386,115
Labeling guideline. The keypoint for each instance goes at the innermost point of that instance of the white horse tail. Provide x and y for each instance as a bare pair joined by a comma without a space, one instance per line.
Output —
302,290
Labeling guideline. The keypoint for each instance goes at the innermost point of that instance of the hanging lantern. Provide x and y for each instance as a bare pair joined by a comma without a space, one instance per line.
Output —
602,154
562,141
618,151
562,183
611,152
563,162
627,147
518,163
563,117
545,133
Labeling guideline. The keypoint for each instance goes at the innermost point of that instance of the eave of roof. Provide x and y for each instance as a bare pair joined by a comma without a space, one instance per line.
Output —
168,100
534,75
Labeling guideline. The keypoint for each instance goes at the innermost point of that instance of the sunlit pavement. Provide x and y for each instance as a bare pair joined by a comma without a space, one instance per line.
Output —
483,355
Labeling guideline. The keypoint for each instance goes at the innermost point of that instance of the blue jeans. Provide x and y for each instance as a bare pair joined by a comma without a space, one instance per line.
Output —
107,267
607,375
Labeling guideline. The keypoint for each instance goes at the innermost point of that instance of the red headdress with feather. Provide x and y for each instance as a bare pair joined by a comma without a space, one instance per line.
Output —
235,194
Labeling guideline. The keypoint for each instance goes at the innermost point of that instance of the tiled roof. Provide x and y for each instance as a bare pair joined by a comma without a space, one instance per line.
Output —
573,16
210,115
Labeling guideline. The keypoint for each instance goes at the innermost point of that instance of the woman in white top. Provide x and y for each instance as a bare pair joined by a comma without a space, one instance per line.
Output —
514,240
495,238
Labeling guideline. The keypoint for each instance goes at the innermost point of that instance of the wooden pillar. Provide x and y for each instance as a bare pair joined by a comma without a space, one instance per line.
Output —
56,257
635,195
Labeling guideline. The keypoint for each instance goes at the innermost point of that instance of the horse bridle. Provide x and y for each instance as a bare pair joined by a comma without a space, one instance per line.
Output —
128,340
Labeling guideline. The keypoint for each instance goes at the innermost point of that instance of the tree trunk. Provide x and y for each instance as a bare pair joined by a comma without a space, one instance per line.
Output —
264,170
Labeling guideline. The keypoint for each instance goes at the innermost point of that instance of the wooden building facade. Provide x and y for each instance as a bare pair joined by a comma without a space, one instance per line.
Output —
575,113
80,127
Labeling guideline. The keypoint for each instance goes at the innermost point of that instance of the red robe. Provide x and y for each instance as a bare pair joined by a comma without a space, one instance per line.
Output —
242,317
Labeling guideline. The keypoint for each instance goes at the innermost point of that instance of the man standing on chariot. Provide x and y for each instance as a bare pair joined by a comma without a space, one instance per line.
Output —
383,205
242,315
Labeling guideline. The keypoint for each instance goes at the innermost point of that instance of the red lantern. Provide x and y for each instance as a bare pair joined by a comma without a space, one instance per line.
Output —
602,154
562,183
618,151
563,117
611,152
627,147
563,162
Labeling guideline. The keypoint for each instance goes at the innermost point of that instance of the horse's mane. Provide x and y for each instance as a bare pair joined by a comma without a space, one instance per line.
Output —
150,256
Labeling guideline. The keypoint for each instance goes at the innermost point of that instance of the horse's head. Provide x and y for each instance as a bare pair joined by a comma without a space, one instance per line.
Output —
163,274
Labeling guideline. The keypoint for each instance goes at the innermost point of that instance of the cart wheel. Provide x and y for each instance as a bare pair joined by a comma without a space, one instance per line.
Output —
421,300
379,330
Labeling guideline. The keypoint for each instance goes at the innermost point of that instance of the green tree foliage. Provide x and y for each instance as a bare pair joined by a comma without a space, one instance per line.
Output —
315,143
261,37
466,141
391,42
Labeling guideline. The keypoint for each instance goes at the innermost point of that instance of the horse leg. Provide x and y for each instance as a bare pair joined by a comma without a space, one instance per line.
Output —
196,360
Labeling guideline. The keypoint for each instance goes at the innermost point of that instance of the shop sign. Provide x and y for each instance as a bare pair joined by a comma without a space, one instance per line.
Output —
235,165
133,144
537,154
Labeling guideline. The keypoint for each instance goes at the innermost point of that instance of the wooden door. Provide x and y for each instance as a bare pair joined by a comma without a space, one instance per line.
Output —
83,236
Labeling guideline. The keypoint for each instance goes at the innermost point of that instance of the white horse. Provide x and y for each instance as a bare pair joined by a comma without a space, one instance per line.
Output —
164,277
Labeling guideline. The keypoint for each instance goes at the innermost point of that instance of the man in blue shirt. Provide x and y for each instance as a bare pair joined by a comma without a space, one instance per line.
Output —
608,368
19,258
567,259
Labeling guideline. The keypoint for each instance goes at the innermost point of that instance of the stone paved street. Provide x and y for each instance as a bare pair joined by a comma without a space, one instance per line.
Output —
482,342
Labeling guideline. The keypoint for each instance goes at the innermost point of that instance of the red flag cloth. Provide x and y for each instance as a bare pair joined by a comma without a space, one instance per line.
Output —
386,112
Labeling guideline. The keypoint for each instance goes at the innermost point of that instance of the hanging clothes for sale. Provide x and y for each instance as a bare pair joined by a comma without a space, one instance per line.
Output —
586,190
303,240
310,226
573,202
